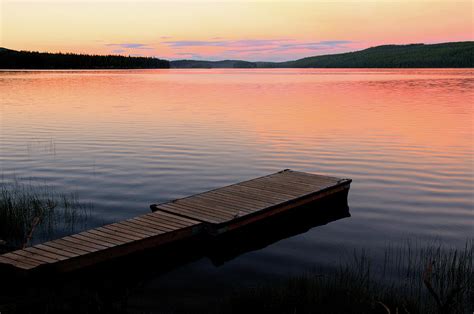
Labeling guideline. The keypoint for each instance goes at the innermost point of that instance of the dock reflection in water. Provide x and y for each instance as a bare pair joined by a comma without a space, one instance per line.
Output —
267,232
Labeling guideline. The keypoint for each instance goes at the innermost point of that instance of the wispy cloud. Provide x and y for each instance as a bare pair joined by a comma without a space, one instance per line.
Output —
193,43
131,46
257,49
190,55
245,43
223,43
218,48
335,42
118,51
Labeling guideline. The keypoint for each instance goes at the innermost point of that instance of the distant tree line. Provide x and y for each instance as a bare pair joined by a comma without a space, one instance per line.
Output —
11,59
446,55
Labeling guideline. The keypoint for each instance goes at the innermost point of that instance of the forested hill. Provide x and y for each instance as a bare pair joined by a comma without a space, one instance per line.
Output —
11,59
448,55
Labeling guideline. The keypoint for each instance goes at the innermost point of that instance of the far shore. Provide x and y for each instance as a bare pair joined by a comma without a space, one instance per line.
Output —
444,55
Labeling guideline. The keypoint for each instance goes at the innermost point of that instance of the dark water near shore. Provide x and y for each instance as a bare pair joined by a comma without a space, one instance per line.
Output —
126,139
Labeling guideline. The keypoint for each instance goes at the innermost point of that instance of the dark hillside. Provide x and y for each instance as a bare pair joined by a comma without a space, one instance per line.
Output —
448,55
11,59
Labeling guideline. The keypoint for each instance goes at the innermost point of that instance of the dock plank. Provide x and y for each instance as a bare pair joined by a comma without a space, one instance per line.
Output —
150,222
119,227
141,227
258,194
20,264
75,245
292,186
262,186
25,255
226,194
54,250
183,220
85,243
228,202
203,207
81,236
199,215
65,247
22,259
166,222
104,240
207,206
45,253
106,235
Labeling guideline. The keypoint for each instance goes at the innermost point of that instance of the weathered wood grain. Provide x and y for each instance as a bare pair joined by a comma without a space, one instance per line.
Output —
219,210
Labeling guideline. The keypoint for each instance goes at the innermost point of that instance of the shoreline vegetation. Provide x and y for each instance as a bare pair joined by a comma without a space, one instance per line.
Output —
12,59
411,277
444,55
408,279
31,213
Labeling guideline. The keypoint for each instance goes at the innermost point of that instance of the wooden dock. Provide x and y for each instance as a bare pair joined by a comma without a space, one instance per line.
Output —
214,212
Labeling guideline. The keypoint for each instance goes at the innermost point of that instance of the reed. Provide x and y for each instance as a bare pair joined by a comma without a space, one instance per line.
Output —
29,213
411,279
407,278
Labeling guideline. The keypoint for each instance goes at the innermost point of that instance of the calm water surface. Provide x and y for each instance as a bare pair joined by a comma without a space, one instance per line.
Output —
126,139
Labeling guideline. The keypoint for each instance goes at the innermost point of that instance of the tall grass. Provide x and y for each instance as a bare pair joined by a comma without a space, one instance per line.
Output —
433,274
411,279
32,212
406,279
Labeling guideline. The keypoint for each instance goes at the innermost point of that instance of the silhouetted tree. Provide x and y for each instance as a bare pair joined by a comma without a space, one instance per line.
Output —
11,59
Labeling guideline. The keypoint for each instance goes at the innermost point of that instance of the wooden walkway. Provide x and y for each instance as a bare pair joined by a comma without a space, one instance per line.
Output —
214,212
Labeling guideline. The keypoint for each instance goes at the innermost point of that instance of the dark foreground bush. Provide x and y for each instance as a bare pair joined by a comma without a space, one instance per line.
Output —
411,280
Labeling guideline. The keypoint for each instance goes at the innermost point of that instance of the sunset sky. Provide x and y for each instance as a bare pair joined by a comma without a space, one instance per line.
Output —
233,29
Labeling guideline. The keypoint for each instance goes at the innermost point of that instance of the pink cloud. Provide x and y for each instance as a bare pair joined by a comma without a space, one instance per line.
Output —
255,49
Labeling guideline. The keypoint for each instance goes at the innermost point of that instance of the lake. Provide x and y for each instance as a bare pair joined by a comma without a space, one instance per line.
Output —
125,139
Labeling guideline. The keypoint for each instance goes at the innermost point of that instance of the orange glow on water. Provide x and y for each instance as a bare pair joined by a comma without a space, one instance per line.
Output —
124,138
295,104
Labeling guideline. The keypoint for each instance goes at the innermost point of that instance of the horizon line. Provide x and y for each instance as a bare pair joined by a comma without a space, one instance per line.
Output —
220,60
